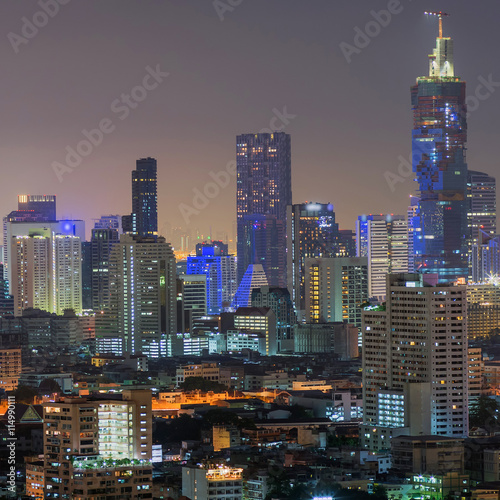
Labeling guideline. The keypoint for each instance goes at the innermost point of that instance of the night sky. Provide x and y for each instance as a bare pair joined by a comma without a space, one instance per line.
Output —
352,120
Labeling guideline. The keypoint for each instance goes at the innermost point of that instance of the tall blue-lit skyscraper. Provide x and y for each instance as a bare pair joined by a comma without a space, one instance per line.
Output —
264,189
144,198
438,154
220,269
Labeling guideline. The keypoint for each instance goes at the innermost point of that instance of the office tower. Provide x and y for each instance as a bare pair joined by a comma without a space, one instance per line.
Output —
483,310
48,268
264,237
335,289
258,320
255,277
144,198
311,232
383,240
143,297
212,482
6,300
415,361
109,222
194,294
86,275
101,243
38,203
216,248
438,153
263,163
485,258
279,300
481,206
411,214
67,276
482,225
99,447
220,270
26,226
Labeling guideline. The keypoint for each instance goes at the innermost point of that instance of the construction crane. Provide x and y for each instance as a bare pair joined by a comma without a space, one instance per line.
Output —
440,16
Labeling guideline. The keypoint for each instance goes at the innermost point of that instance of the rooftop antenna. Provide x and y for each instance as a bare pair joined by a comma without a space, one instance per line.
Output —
440,16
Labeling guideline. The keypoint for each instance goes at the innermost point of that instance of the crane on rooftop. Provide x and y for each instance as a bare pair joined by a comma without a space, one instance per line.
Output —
440,16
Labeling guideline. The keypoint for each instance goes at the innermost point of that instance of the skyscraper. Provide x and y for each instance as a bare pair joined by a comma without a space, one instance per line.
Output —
415,361
101,244
263,240
48,270
255,277
220,270
482,224
264,188
383,240
279,300
311,232
94,438
39,203
335,288
144,198
438,153
143,297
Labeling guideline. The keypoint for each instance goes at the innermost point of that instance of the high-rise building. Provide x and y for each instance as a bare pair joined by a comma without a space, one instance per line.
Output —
485,258
483,310
194,295
220,270
482,225
88,439
311,232
6,300
25,226
263,163
48,267
143,298
482,204
86,275
255,277
411,214
144,198
279,300
258,320
438,152
264,238
335,289
101,244
383,240
415,359
40,203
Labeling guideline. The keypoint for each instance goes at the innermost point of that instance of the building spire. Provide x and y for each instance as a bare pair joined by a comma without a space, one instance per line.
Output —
441,60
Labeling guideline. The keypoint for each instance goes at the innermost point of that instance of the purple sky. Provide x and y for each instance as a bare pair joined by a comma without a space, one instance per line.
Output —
352,121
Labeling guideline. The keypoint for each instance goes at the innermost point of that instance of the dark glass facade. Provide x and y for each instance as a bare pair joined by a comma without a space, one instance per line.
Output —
144,198
438,154
264,190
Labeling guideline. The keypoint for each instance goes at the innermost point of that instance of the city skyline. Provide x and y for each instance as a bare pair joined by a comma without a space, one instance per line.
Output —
322,143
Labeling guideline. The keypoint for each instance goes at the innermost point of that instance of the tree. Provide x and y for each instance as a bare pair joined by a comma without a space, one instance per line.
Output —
484,412
201,384
25,394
